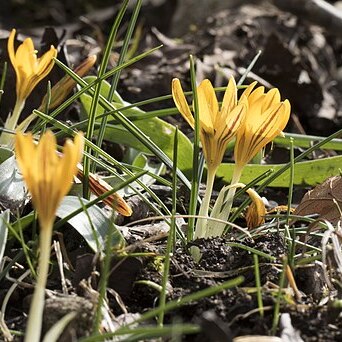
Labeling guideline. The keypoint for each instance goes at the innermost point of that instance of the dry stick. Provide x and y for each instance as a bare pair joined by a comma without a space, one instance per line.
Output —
318,12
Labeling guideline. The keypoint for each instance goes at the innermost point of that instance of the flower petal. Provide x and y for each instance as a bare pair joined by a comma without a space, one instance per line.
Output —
266,117
10,49
45,63
272,97
72,152
26,58
257,95
180,101
229,98
248,90
207,106
25,152
256,212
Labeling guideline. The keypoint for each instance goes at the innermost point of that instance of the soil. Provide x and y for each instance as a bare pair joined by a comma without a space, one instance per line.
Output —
304,61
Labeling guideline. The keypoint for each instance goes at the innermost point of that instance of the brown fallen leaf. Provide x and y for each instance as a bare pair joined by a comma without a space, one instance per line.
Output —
320,200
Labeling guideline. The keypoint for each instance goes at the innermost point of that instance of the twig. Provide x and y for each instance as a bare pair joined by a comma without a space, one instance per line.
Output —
318,12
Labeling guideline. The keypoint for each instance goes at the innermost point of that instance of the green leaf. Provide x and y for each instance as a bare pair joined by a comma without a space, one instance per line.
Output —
12,186
5,153
4,220
306,141
159,131
307,173
22,223
93,224
143,163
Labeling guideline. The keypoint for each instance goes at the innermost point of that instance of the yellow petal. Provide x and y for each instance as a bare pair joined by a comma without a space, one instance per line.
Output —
230,97
45,63
207,106
256,212
25,152
267,130
10,48
266,117
257,95
249,89
236,117
47,155
285,116
26,58
180,101
47,165
72,153
272,98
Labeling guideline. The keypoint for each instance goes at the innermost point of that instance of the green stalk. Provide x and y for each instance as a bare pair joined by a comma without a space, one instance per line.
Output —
96,96
258,284
105,271
196,153
170,239
277,304
121,60
224,204
249,68
200,231
228,202
34,324
11,122
292,171
3,79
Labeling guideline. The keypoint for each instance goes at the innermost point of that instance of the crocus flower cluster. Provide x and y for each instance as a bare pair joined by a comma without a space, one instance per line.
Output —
254,119
217,127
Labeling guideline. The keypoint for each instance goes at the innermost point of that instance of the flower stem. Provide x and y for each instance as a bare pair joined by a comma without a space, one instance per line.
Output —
11,122
223,205
201,225
34,324
228,203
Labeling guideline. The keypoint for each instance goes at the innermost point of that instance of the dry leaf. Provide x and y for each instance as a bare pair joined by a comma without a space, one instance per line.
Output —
320,201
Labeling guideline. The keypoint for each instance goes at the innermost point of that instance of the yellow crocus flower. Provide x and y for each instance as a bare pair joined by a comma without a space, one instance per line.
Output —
266,118
216,127
48,178
59,91
29,69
